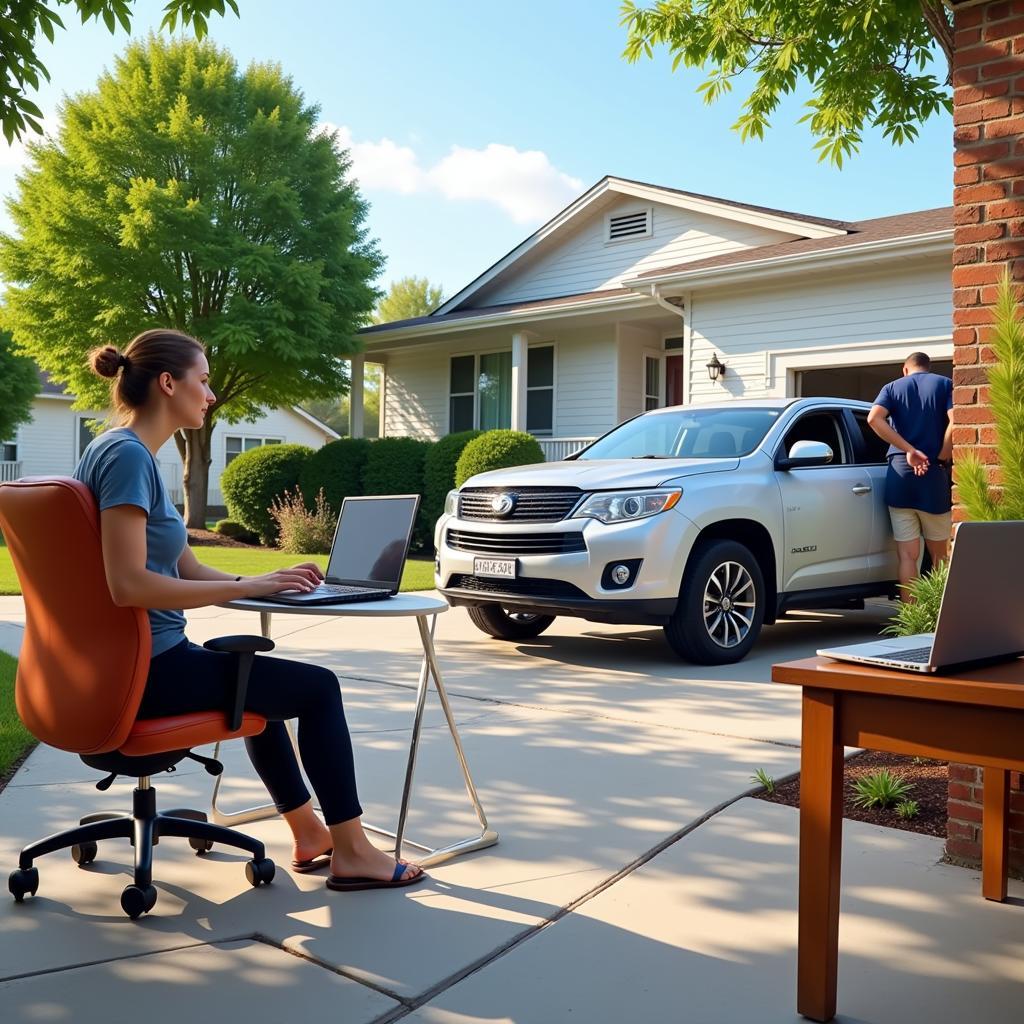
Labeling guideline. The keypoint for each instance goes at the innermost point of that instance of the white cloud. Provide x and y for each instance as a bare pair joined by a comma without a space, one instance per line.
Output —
13,155
524,184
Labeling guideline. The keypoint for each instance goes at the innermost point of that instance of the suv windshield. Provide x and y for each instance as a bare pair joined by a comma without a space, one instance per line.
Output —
686,434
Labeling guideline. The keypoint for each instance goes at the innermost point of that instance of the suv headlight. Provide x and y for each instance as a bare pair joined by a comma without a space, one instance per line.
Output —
451,502
623,506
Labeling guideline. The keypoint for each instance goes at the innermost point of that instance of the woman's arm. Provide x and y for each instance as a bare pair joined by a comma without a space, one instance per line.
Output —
123,536
190,568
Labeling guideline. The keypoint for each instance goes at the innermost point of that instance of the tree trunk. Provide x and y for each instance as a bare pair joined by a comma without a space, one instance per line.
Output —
197,474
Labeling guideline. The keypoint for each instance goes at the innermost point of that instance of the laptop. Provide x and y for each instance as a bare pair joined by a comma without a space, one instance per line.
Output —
368,553
981,618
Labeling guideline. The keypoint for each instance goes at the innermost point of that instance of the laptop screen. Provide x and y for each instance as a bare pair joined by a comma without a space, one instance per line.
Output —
372,540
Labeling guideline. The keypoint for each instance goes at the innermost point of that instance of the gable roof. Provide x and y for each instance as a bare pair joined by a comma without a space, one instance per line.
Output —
609,188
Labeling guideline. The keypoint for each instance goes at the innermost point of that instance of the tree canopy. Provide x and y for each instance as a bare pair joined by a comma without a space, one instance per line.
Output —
23,20
19,384
184,193
408,297
868,62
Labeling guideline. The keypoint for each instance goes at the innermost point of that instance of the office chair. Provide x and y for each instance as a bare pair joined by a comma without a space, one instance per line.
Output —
81,675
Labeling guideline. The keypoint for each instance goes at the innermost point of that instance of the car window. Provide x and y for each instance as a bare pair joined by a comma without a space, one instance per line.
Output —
873,448
818,426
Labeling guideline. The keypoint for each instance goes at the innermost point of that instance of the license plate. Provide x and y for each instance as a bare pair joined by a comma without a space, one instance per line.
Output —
503,567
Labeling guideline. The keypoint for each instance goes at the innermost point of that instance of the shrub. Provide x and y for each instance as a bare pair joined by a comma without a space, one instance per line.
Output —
300,530
439,471
394,465
880,789
337,469
236,531
907,809
497,449
919,612
251,481
762,778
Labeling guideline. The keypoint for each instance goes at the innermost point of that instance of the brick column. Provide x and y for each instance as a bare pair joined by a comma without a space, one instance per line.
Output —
988,196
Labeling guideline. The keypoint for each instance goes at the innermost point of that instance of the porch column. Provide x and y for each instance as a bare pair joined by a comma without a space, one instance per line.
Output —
355,397
519,350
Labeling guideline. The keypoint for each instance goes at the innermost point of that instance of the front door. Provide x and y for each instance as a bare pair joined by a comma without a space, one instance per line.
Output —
674,379
827,510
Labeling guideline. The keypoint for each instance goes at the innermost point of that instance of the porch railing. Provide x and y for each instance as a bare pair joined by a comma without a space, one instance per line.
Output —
557,448
9,471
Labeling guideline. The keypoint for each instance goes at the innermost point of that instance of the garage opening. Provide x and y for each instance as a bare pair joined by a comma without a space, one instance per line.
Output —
860,382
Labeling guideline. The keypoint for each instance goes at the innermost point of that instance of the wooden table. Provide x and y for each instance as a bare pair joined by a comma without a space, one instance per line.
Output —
974,717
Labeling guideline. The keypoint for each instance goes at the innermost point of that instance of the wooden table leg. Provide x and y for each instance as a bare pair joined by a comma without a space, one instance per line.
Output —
821,835
994,833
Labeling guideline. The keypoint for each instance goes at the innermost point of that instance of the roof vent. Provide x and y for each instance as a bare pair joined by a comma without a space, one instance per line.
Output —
635,224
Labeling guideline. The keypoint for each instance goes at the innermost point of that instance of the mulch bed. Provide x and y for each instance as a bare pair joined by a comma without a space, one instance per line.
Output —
930,780
207,538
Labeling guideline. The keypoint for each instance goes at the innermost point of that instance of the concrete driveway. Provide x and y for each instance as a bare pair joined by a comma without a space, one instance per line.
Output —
633,880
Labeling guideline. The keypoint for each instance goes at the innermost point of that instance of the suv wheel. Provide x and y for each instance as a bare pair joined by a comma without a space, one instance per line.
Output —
721,605
507,623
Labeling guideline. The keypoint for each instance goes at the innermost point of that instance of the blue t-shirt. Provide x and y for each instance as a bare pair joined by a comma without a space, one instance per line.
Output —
120,470
918,407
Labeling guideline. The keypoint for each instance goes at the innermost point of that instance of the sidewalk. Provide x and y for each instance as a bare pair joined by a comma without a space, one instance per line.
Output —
591,747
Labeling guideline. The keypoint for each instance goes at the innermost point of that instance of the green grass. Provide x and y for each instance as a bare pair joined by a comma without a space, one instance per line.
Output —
418,575
15,739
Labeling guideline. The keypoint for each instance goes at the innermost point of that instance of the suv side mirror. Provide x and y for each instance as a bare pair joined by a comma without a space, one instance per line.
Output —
806,453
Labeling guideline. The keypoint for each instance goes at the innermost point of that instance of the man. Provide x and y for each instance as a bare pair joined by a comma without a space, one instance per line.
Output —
915,415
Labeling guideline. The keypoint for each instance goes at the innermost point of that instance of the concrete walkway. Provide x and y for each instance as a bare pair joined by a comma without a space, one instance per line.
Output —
633,881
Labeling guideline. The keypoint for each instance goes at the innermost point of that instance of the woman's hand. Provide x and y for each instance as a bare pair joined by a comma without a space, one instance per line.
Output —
302,578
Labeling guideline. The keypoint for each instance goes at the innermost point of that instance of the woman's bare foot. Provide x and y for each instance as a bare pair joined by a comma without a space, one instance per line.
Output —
312,838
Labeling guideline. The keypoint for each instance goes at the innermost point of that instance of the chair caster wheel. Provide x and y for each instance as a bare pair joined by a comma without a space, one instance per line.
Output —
260,872
84,853
201,846
25,881
136,901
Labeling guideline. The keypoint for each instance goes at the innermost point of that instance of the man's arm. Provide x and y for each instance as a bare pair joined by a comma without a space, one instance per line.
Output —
878,420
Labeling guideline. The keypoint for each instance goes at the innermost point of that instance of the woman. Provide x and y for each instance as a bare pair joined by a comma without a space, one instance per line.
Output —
160,386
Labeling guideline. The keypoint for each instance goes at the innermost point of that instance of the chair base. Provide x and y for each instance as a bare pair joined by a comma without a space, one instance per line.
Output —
144,828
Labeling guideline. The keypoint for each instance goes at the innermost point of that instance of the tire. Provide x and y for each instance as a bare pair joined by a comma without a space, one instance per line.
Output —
703,630
508,624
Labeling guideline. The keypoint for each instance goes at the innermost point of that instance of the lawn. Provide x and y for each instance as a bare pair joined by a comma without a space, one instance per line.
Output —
418,575
15,739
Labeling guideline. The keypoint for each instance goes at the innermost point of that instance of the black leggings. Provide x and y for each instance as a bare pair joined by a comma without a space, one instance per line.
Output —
189,678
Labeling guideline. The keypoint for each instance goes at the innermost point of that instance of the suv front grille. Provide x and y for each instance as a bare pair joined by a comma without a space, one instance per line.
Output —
537,588
509,544
532,504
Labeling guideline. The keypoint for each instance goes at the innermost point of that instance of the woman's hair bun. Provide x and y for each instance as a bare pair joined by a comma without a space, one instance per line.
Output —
108,360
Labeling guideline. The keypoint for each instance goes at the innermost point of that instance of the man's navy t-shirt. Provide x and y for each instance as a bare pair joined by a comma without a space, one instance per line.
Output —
918,407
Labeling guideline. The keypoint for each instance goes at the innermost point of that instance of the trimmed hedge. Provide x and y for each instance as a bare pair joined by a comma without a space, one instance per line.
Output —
236,531
497,449
251,481
439,471
338,468
395,466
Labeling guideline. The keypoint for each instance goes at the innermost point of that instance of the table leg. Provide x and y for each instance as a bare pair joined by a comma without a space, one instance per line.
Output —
821,825
995,834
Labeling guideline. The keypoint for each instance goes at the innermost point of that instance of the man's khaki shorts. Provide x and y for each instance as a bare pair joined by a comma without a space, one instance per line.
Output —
910,523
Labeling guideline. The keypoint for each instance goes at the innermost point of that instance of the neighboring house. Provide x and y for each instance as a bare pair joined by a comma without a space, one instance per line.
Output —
620,302
56,436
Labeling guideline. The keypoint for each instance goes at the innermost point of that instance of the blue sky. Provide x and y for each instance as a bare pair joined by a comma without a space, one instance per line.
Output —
471,123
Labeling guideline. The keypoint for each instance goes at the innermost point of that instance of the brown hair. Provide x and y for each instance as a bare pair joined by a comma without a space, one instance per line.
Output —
147,356
920,360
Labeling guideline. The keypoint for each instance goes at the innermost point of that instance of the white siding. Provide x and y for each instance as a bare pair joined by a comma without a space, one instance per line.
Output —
634,342
847,317
586,376
416,392
584,262
47,445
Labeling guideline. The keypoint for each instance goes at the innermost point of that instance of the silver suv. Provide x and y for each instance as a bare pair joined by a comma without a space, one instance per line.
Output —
707,520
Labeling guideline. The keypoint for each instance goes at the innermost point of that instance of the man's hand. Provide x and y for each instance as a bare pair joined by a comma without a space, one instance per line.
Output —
918,461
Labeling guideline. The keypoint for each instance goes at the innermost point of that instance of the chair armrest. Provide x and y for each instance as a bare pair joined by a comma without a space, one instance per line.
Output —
244,648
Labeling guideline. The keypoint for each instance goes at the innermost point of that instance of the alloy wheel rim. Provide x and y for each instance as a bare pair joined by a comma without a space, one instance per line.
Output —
523,618
728,607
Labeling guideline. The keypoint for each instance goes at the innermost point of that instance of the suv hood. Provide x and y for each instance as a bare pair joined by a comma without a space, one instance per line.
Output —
601,474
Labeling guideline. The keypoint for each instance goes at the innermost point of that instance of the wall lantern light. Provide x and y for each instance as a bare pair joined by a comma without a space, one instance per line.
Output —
716,368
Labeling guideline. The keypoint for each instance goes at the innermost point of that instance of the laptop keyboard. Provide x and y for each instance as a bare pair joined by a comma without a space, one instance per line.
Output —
341,588
917,655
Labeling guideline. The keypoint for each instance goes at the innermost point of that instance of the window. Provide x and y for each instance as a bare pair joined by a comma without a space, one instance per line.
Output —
85,435
8,451
818,426
873,448
480,391
652,382
235,444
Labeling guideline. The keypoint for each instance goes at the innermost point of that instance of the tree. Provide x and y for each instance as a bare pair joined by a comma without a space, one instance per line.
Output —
408,297
183,193
1006,394
23,19
335,411
19,384
867,61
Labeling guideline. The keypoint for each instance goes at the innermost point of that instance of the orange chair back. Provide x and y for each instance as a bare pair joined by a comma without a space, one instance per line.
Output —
84,661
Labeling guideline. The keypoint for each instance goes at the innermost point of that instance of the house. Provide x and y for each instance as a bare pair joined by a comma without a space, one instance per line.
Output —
637,296
54,439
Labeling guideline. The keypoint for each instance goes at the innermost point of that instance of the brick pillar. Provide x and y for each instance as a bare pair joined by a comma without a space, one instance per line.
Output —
988,217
